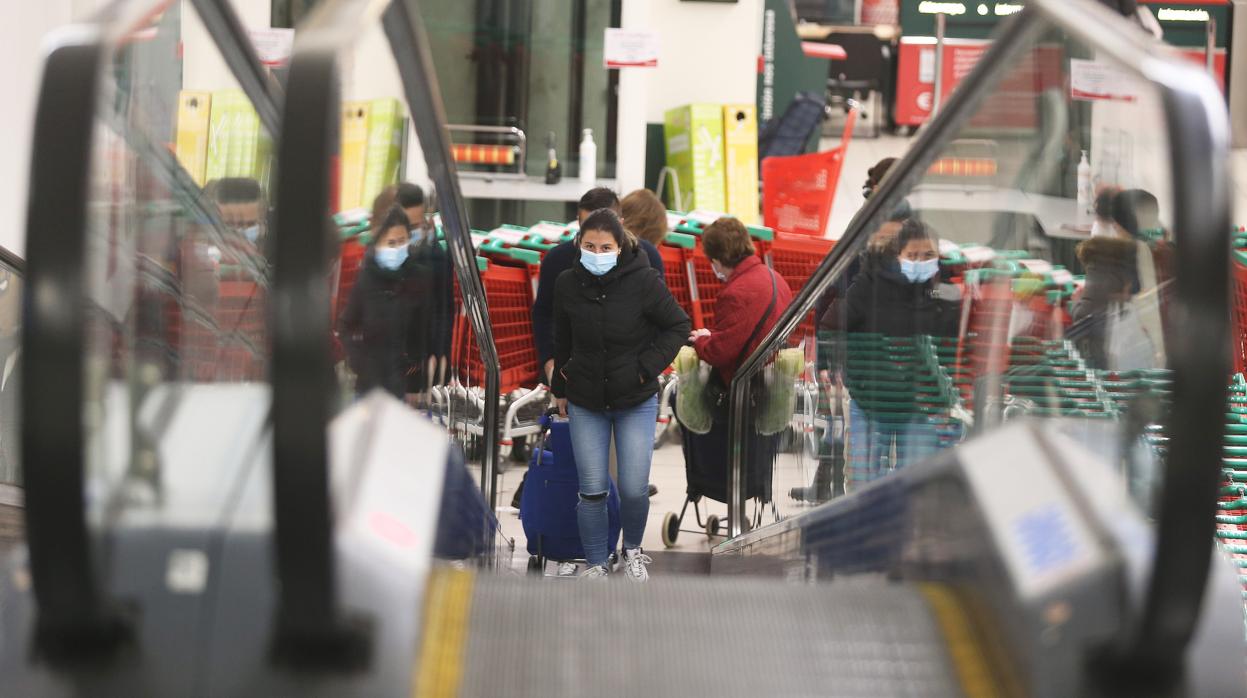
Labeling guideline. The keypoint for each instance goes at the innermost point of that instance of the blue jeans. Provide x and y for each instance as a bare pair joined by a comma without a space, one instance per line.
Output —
878,446
634,450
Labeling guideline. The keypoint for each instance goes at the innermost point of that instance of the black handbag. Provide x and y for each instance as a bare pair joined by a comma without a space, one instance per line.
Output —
717,393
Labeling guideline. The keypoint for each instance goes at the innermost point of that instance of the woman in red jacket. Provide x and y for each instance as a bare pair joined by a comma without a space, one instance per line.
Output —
744,314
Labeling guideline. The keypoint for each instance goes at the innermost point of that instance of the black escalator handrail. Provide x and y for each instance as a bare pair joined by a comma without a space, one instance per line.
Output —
409,43
310,628
75,619
1198,141
12,260
72,615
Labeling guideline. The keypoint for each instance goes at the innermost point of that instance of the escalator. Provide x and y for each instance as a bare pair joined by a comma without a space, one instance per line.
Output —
1015,521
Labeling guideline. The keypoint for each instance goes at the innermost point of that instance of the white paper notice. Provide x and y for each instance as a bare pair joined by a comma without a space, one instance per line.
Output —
1093,80
625,48
274,46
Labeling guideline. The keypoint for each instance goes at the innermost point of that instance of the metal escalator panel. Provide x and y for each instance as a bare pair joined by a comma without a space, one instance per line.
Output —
487,636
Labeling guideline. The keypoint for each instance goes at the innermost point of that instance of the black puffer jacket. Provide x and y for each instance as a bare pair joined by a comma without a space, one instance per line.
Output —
614,334
881,300
385,324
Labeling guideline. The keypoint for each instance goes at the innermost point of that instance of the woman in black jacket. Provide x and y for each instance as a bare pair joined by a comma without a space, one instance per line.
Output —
384,326
616,328
897,294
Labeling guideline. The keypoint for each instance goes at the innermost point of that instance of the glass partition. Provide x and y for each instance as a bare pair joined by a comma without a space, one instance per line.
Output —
407,279
176,270
1023,269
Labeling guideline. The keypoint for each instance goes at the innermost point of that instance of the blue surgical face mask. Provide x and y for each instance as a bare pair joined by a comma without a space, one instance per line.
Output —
598,263
391,258
919,272
252,233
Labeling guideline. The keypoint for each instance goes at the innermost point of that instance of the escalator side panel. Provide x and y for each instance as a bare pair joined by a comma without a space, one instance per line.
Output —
387,469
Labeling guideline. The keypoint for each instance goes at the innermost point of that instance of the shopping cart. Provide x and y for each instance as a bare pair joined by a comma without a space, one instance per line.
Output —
798,190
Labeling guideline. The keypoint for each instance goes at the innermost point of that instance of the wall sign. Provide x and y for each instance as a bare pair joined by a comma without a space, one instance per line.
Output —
628,48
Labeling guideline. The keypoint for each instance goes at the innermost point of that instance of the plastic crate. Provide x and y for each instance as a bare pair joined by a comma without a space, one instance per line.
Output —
1238,305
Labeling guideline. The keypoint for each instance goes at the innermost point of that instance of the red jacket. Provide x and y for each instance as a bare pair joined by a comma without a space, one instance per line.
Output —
739,308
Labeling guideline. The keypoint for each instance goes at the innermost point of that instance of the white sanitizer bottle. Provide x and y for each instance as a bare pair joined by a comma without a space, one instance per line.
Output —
1084,184
588,159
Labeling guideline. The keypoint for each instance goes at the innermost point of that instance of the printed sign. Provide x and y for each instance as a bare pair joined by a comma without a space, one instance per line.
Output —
1091,81
627,48
274,46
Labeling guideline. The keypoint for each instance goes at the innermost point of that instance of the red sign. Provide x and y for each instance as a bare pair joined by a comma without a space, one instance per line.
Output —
1010,105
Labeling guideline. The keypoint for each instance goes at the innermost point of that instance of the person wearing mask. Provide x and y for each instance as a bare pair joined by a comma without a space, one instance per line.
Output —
561,258
242,207
381,321
566,256
435,311
826,476
897,294
616,328
748,305
645,216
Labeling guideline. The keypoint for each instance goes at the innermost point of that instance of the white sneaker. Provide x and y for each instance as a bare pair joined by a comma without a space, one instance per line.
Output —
596,572
567,569
635,562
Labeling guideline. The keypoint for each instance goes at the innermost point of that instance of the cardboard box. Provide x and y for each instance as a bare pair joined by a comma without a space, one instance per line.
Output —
694,136
354,154
740,155
220,134
386,125
191,138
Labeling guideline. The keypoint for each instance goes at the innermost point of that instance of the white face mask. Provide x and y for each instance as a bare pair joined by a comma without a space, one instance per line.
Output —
719,273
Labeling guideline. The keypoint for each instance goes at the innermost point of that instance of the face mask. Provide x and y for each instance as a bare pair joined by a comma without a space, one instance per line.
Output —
867,191
599,263
391,258
918,272
252,233
719,275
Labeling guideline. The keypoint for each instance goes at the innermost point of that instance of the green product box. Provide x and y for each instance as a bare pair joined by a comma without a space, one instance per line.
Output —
694,136
220,135
386,123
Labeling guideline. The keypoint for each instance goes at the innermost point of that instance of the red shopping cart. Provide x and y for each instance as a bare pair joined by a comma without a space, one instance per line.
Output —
798,190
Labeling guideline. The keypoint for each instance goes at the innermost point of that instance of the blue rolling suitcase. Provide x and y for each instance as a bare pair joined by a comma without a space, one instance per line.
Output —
548,503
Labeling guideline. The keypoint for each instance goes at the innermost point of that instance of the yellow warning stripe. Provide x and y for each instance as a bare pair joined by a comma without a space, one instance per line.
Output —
964,648
447,605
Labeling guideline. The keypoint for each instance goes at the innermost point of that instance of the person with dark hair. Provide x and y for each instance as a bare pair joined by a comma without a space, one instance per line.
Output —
645,216
1111,267
242,207
561,258
411,198
616,328
897,294
383,327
